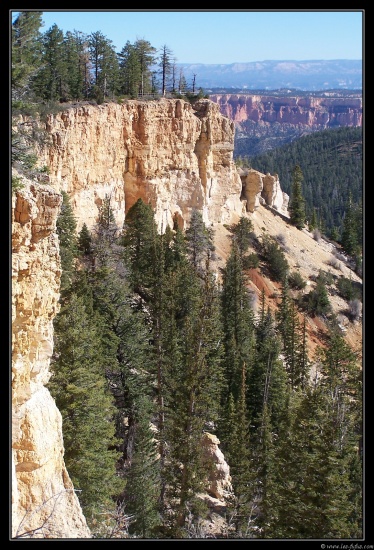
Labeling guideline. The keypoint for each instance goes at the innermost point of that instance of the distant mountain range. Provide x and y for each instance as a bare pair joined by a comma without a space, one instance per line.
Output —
273,75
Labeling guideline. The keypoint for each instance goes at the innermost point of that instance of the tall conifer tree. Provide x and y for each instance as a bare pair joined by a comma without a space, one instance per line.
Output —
66,230
26,52
80,389
297,202
143,478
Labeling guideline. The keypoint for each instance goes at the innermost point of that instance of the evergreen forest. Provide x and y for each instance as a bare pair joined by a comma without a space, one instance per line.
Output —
331,162
152,350
54,67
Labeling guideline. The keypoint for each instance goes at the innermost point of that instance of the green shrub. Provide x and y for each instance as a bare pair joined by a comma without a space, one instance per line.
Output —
296,281
348,289
276,260
317,301
16,184
251,261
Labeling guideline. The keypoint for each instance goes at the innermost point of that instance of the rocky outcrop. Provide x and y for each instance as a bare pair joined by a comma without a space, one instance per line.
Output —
315,112
44,504
169,153
261,188
219,482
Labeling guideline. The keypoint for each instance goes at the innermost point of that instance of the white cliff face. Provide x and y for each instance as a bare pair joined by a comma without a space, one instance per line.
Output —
169,153
44,504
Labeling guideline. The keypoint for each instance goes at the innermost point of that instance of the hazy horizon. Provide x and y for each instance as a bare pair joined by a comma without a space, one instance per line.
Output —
224,37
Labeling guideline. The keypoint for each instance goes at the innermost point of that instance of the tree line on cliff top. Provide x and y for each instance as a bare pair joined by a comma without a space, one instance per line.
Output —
62,67
152,350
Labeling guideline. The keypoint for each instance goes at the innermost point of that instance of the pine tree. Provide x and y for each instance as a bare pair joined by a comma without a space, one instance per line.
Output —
84,240
238,322
264,472
294,340
304,363
313,224
81,393
335,235
182,83
267,382
143,477
275,259
106,216
130,70
105,66
106,235
140,241
317,301
146,58
352,229
297,202
165,66
76,58
26,52
242,235
66,229
199,239
341,374
240,461
51,82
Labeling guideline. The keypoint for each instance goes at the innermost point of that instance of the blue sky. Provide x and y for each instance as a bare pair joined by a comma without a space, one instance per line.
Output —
209,36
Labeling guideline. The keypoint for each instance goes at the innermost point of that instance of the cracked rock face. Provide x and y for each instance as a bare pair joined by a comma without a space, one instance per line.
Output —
44,504
171,154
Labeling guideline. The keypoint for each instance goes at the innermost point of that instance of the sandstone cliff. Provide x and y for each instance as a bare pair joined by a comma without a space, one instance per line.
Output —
173,155
44,504
170,153
318,112
263,122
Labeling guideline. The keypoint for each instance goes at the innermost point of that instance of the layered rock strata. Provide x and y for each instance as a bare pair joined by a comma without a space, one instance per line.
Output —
173,155
315,112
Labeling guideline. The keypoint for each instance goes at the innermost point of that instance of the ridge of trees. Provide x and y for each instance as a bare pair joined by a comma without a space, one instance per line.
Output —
57,67
331,162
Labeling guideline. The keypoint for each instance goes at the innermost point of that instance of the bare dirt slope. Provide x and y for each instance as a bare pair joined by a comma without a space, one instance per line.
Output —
305,255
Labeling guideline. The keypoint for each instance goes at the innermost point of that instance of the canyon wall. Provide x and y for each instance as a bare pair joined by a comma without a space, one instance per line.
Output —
315,112
44,504
169,153
265,122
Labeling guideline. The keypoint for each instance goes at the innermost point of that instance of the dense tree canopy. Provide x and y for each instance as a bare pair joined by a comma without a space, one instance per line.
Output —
331,162
169,354
154,349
